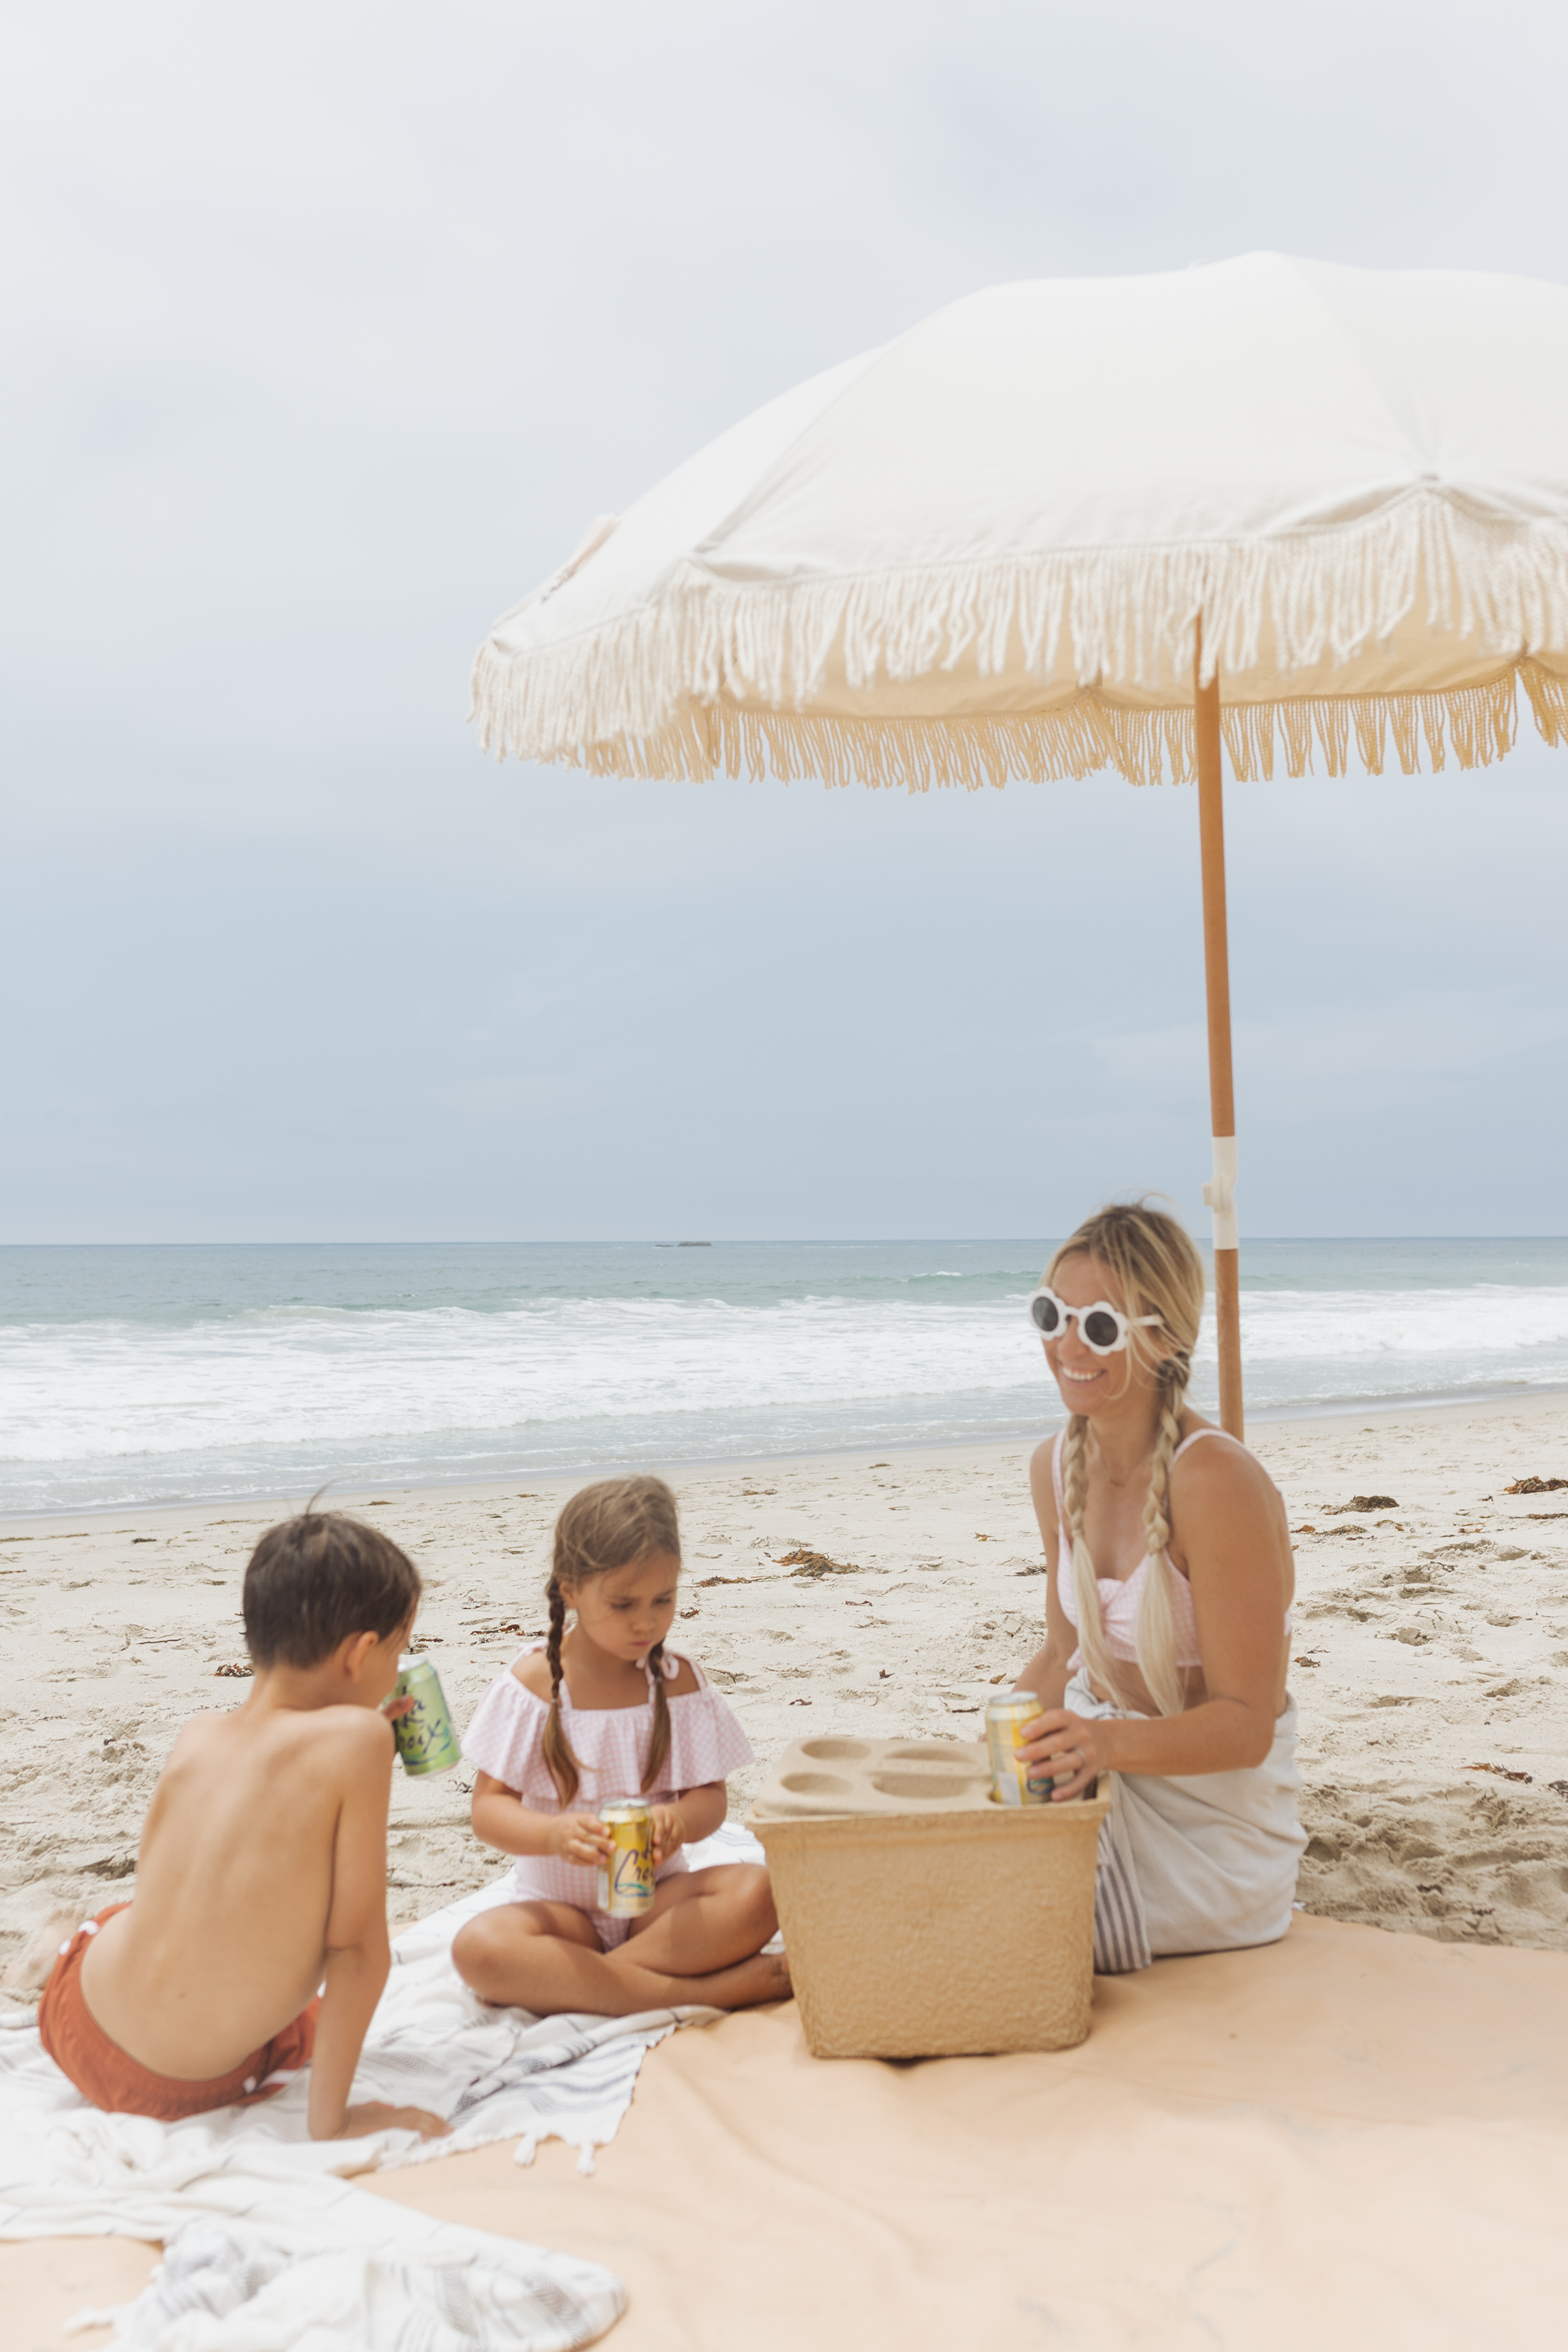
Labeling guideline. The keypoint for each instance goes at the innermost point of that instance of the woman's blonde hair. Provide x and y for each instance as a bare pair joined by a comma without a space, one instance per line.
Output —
610,1525
1157,1271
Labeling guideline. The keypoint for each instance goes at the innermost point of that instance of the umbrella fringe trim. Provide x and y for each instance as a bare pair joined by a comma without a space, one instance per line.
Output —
1117,620
1083,738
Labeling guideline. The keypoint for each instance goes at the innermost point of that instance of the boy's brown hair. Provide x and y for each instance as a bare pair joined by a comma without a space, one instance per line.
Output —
314,1580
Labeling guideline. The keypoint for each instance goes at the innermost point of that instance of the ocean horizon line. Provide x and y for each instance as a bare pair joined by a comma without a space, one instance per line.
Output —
741,1241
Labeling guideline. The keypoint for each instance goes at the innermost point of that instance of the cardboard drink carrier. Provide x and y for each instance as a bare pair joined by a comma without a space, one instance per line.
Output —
921,1919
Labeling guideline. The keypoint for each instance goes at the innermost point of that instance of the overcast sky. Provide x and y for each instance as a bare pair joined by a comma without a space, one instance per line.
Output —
326,330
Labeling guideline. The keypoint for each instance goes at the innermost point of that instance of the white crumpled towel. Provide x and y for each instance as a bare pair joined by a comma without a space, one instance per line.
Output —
269,2245
226,2287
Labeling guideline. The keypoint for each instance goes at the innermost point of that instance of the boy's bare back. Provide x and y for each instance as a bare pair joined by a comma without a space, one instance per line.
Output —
262,1874
264,1846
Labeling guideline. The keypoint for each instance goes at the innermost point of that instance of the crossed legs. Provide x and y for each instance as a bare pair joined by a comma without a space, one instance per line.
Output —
701,1943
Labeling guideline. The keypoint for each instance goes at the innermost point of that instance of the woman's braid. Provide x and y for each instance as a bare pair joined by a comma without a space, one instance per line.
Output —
1172,1379
1154,1636
1091,1639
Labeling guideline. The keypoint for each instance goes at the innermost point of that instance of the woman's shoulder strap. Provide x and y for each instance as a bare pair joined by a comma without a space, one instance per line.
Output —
1208,1430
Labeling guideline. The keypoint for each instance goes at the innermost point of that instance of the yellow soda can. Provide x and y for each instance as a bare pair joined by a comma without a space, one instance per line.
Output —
626,1876
1010,1782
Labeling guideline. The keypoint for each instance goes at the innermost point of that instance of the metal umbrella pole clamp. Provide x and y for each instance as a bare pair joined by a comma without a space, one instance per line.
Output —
1219,1195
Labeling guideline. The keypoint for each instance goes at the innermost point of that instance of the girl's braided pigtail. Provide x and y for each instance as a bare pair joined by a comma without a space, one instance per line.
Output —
561,1763
658,1746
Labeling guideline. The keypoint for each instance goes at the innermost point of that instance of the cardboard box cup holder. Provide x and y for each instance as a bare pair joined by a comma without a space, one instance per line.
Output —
921,1919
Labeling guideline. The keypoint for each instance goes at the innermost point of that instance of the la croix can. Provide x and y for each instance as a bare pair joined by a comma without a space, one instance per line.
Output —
1011,1783
626,1876
426,1736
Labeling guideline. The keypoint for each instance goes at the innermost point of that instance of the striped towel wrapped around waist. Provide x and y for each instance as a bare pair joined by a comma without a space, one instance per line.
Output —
1205,1863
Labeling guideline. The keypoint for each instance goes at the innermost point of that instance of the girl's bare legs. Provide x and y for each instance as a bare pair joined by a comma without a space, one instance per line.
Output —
698,1945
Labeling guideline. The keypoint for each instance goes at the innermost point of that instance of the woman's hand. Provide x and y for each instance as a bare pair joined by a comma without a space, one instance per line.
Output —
1060,1742
669,1832
581,1838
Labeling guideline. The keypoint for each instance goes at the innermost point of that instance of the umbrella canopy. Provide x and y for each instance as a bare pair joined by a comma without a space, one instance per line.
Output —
1086,523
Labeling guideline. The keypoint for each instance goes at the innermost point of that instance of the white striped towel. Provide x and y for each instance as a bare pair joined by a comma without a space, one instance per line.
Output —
267,2216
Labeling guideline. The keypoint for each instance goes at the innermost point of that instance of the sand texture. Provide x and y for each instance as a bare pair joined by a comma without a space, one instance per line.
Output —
1432,1638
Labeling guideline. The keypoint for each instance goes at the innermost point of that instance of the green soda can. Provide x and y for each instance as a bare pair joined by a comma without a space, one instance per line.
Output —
426,1736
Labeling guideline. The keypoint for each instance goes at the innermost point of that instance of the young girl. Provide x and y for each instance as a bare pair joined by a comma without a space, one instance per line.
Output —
596,1713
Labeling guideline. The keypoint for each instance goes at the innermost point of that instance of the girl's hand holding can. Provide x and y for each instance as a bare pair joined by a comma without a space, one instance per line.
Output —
669,1832
1060,1742
578,1837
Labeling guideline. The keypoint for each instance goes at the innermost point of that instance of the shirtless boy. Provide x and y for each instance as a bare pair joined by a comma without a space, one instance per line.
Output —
262,1871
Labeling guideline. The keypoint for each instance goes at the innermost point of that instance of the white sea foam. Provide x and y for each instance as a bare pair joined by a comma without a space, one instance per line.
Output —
565,1362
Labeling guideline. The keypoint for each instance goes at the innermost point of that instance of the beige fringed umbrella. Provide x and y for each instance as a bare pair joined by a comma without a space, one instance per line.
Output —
1095,524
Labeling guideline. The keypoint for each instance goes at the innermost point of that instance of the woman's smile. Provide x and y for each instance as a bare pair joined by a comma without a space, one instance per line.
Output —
1089,1381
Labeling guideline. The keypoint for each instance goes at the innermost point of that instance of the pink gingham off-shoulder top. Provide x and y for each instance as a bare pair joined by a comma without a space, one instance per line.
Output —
506,1740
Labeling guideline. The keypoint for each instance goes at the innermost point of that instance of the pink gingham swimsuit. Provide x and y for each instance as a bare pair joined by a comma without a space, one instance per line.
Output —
506,1740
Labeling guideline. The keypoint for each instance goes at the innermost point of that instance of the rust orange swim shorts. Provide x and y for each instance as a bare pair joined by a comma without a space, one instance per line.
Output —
113,2080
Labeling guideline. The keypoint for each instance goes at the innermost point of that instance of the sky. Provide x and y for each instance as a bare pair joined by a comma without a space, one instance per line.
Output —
326,330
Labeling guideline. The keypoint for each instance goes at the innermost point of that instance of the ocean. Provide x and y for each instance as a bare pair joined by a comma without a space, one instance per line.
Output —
135,1375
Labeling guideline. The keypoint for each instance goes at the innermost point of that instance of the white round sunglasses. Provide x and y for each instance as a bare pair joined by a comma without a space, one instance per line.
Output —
1103,1327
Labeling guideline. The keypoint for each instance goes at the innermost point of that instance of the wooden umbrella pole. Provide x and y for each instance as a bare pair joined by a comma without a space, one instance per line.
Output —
1220,1193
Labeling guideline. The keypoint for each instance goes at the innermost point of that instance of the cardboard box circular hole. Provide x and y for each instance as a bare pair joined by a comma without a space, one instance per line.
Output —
918,1784
816,1784
835,1751
951,1756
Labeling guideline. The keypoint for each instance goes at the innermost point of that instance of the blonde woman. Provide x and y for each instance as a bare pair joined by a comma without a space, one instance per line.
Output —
1167,1609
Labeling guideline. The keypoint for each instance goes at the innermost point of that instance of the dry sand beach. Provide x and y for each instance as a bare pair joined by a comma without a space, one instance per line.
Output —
1431,1639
